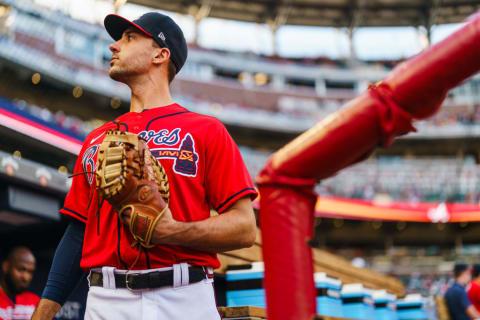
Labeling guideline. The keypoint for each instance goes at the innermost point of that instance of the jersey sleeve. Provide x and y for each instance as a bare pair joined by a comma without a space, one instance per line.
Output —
76,202
227,178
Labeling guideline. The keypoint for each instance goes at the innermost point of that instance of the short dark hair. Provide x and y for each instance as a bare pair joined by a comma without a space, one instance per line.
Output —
459,269
476,270
172,69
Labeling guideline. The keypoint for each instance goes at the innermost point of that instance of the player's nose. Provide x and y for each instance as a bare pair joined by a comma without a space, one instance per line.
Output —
114,47
25,278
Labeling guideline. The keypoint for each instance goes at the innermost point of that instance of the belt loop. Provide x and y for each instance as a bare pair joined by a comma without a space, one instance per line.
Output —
88,277
208,271
177,275
108,277
185,274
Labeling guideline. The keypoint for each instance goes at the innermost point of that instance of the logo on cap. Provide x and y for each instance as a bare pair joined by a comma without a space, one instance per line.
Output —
161,36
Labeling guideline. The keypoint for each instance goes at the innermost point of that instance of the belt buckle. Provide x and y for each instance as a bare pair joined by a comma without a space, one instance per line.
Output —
127,282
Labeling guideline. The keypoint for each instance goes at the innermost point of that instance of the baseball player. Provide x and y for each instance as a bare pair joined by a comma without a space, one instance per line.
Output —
16,302
173,278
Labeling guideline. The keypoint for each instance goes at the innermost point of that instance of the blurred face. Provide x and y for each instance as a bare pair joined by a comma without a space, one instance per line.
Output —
131,55
19,272
465,277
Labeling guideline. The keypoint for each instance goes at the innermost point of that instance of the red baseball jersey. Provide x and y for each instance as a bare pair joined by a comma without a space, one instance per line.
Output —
474,294
205,170
22,309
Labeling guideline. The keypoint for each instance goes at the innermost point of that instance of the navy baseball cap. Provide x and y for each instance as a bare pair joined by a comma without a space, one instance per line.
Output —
159,27
459,268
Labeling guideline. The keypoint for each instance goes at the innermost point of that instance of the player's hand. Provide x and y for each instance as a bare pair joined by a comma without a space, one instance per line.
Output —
166,217
166,230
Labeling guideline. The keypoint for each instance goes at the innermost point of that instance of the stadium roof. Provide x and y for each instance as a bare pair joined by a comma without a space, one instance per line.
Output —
332,13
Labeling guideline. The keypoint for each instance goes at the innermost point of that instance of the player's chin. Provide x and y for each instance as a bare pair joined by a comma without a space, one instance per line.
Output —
21,288
116,73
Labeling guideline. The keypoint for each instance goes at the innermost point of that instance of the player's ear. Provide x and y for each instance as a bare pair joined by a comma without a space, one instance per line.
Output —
5,265
160,55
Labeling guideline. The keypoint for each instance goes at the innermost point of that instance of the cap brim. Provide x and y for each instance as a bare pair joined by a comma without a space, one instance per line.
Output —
116,25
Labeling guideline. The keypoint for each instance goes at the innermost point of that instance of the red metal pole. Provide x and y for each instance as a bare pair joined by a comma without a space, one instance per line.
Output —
416,88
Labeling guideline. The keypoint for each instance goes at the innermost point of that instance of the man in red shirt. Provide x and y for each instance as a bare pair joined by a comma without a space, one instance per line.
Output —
474,290
173,279
17,273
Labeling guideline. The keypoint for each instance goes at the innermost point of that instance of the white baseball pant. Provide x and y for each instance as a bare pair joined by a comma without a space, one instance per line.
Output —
181,302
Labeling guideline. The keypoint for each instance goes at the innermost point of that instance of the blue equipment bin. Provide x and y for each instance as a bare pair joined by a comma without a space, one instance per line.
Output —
357,302
412,308
385,305
245,285
329,302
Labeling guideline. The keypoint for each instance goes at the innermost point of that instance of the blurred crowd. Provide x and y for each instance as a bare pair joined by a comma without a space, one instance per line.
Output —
408,180
309,61
58,119
463,115
397,178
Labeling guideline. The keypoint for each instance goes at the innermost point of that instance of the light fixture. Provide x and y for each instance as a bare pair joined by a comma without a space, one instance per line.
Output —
63,169
260,79
77,92
36,77
115,102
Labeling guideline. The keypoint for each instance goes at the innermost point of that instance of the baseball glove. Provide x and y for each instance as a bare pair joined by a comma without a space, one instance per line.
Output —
133,181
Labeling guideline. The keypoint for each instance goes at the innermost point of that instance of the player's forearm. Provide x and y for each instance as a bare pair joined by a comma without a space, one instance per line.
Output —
231,230
216,234
46,309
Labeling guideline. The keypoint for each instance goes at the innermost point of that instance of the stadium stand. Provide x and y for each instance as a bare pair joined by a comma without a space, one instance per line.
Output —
287,91
59,121
234,96
406,180
263,96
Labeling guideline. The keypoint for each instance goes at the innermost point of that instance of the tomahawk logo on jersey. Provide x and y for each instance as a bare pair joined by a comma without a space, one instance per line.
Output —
185,157
205,170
